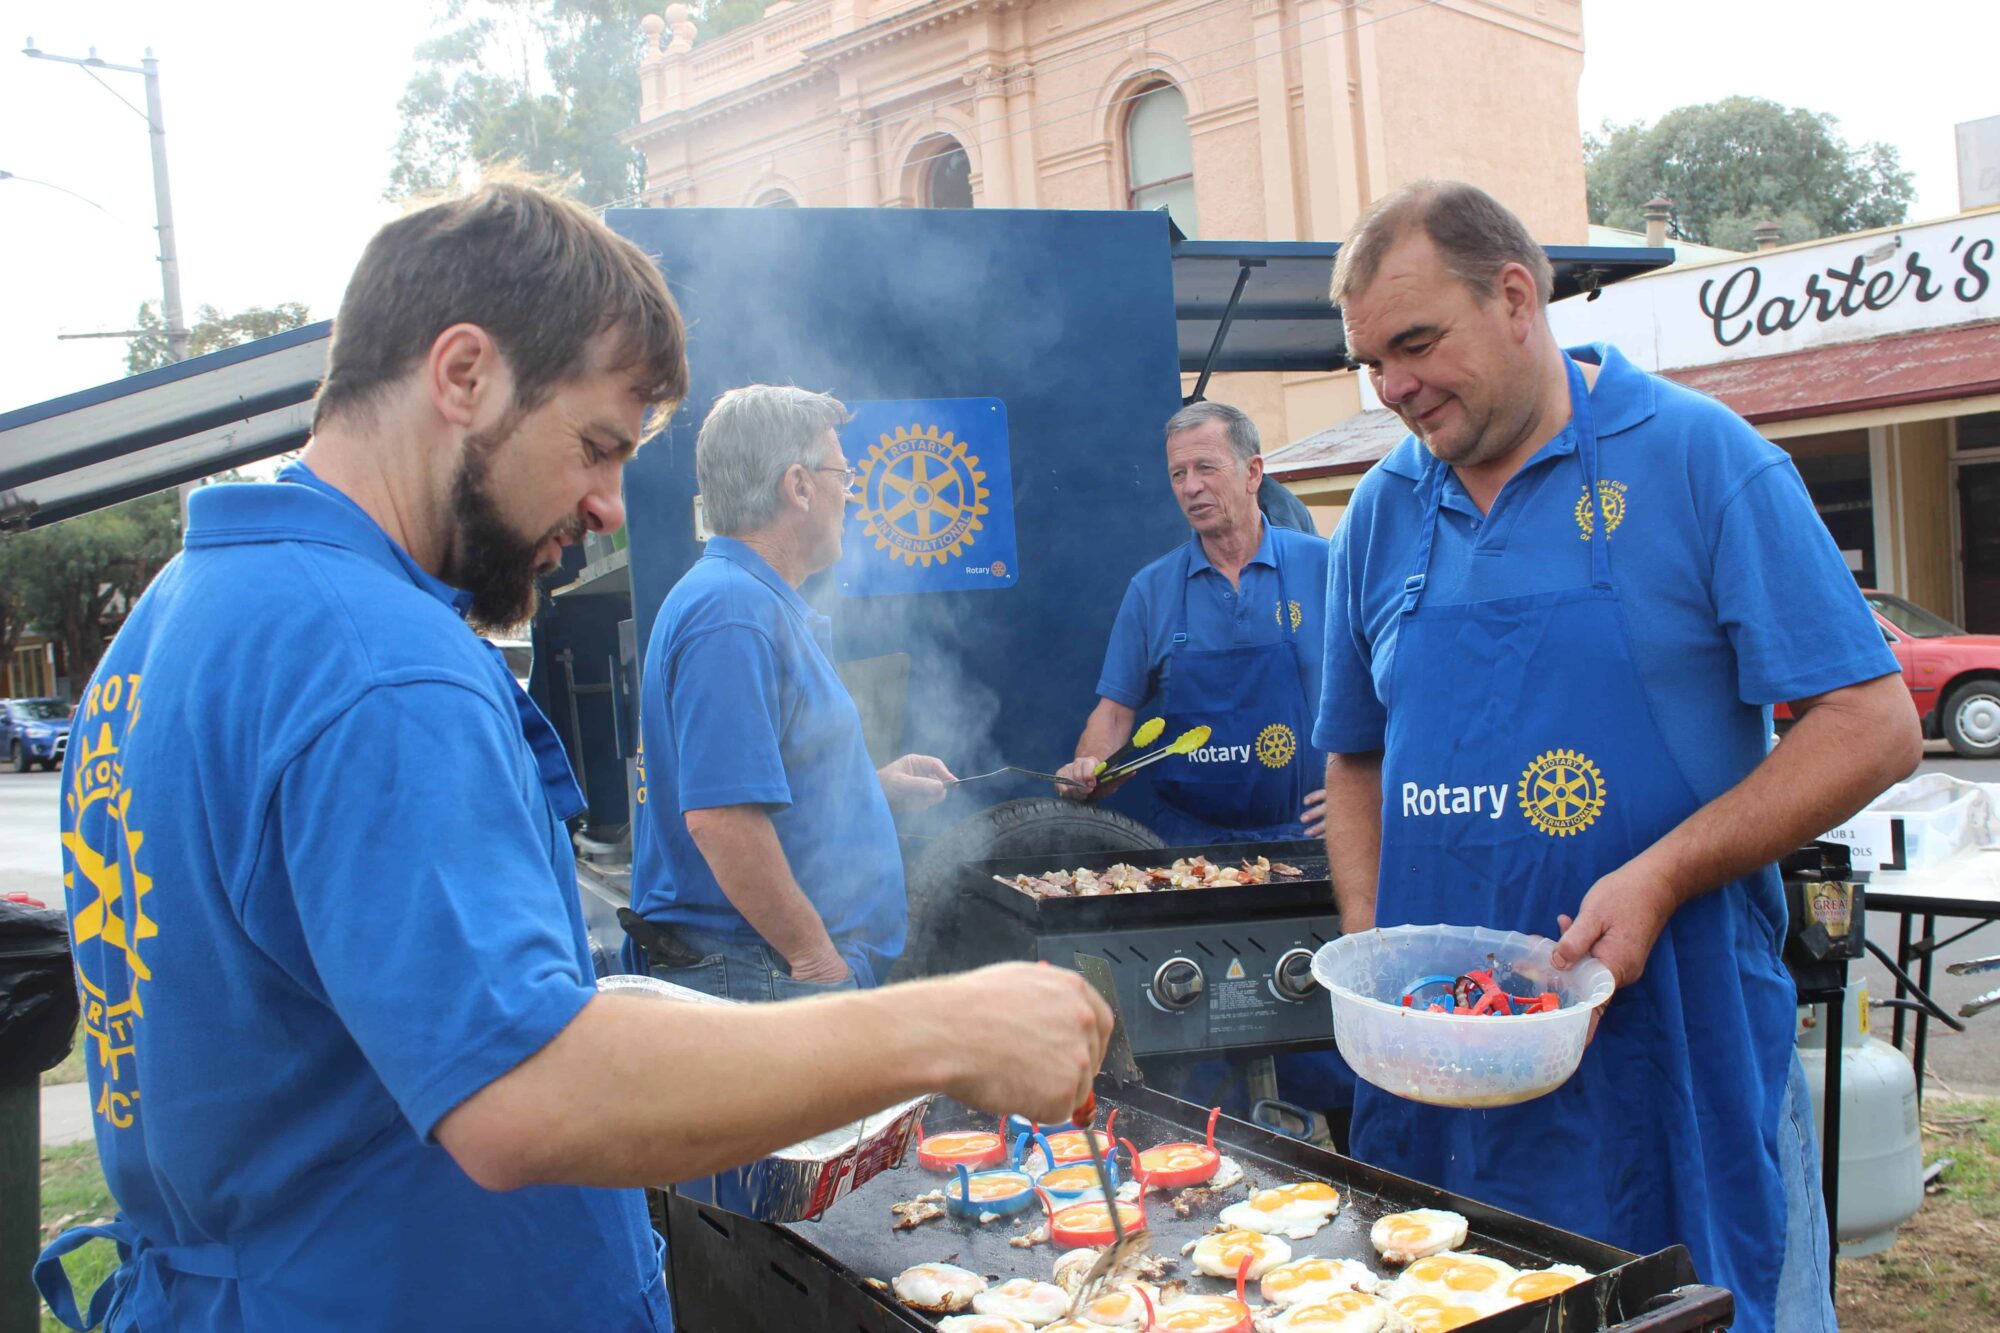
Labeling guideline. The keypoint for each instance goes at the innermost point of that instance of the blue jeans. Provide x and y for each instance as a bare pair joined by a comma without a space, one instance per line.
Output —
742,967
1804,1305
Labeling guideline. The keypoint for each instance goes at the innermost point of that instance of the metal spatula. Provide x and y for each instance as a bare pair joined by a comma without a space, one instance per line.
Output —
1124,1070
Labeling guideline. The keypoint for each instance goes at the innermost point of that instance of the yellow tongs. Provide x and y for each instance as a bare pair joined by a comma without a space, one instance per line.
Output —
1186,743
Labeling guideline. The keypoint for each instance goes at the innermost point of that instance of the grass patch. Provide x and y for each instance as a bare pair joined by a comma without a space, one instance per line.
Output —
1939,1277
73,1191
69,1071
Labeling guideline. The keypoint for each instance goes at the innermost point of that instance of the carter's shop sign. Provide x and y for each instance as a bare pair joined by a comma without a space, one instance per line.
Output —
1842,290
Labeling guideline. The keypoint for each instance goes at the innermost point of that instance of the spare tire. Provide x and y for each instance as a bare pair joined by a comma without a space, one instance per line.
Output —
1035,826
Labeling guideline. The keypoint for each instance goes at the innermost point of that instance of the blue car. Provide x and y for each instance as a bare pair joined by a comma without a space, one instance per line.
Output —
34,731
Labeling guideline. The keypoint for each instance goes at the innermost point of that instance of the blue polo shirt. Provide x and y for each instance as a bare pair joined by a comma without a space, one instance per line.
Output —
1735,597
1218,616
321,893
742,706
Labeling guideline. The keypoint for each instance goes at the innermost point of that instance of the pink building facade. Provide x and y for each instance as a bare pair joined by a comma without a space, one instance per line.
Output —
1248,119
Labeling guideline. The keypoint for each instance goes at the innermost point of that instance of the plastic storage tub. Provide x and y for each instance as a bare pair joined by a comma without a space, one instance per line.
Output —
1452,1059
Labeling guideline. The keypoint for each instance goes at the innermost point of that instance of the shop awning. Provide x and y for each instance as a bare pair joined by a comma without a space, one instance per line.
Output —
1273,297
147,432
1936,365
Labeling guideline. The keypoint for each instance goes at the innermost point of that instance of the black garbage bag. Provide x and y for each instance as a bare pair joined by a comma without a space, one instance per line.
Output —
37,990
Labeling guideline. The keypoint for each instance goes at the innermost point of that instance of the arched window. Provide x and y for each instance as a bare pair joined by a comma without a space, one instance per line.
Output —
776,199
1159,156
947,176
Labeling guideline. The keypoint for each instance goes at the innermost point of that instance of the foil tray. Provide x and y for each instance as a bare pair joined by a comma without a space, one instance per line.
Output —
799,1183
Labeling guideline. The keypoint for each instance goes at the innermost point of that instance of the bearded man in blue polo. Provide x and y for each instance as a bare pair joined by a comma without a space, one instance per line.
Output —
348,1063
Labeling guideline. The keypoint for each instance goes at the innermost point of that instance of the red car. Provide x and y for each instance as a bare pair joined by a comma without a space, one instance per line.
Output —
1954,677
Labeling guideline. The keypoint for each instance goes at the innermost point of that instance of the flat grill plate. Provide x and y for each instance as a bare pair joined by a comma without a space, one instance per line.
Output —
1291,897
857,1233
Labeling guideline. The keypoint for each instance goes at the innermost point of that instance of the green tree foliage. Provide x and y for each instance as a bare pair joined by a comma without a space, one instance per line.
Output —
1731,164
541,86
211,331
75,580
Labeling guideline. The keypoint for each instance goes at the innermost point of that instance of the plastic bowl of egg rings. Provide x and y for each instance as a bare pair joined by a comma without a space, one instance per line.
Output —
1457,1059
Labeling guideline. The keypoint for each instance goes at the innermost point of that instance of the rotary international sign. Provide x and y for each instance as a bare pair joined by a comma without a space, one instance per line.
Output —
935,508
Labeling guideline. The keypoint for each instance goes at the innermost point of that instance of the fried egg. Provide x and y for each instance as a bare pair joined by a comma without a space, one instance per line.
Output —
1031,1302
1342,1312
1537,1283
983,1323
1297,1210
1401,1237
1123,1308
975,1148
1072,1326
1221,1254
1204,1314
1070,1181
1305,1280
1437,1314
1459,1279
1072,1265
937,1288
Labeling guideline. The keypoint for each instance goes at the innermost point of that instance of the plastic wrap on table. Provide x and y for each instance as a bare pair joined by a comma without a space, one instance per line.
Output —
38,1001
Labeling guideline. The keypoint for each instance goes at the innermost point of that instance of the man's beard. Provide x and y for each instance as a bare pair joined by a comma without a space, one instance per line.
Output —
490,560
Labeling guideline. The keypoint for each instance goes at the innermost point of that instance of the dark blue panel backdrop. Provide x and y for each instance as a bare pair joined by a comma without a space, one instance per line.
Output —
1064,320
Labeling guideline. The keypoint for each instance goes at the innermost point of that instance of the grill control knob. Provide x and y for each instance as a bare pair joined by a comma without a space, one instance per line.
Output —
1293,976
1178,983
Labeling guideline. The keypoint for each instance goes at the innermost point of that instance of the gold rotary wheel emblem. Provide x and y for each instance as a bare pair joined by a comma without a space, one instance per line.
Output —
1562,793
922,495
1610,499
1276,745
1298,614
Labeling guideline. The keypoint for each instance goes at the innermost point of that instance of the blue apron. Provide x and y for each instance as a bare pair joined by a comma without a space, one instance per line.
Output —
1254,702
1668,1132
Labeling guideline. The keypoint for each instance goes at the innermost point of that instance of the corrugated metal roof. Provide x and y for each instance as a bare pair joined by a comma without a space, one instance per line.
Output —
1353,445
1931,366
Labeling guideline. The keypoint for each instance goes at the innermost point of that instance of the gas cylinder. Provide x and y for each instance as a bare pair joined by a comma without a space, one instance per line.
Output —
1881,1150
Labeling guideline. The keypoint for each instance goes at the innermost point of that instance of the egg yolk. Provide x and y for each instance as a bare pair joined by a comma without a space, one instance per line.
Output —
1432,1314
1094,1217
1006,1186
1455,1274
1117,1305
1311,1191
1070,1179
1302,1273
970,1143
1333,1310
1211,1314
1534,1286
1070,1146
1406,1232
1176,1157
1231,1247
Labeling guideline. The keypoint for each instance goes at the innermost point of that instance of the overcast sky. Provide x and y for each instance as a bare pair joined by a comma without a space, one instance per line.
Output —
280,119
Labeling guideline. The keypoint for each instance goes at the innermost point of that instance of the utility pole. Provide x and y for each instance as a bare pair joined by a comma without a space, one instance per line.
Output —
163,204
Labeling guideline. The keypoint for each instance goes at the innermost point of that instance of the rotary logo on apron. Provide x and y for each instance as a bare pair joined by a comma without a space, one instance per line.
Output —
1561,793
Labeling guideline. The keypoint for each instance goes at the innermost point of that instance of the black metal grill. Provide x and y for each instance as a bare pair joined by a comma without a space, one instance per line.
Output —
732,1275
1249,945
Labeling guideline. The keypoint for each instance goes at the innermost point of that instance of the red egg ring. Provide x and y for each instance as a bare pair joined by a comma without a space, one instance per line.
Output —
974,1149
1080,1236
1178,1179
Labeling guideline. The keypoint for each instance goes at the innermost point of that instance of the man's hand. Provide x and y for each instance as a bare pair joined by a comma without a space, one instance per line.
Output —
1618,923
822,965
1042,1033
915,782
1082,774
1314,814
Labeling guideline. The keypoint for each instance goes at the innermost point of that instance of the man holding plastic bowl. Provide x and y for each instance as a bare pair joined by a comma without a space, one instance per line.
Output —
1557,615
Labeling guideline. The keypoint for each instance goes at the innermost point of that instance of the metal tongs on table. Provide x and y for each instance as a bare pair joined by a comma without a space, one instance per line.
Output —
1124,1070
